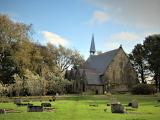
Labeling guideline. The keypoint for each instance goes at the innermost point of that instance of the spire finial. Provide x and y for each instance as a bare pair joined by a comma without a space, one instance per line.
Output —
92,48
120,46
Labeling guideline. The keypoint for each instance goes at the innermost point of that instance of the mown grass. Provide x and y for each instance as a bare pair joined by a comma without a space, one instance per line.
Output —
77,108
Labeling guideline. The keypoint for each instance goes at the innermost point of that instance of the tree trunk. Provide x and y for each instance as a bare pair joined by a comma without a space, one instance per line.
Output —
156,81
142,75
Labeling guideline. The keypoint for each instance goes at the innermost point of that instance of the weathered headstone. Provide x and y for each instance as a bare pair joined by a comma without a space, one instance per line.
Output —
34,109
57,94
2,111
17,101
20,104
134,104
117,108
46,104
29,104
23,104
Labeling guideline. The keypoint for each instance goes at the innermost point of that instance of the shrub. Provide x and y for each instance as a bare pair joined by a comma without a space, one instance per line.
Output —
57,84
143,89
34,83
3,90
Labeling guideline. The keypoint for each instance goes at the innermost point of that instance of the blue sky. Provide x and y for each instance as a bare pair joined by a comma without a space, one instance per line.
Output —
72,22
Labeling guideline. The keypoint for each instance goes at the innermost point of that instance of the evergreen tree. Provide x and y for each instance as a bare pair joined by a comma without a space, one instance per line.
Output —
139,62
152,51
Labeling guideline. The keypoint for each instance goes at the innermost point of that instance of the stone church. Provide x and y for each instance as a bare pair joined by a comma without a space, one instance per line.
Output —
106,72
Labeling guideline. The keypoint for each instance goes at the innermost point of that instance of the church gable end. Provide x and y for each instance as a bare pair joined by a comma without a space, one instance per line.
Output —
120,75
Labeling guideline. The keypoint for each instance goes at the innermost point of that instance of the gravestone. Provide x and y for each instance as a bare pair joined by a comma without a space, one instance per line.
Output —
117,108
134,104
57,94
17,101
2,111
46,104
23,104
34,109
29,104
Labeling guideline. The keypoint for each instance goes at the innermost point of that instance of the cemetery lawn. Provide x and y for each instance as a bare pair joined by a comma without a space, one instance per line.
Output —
77,108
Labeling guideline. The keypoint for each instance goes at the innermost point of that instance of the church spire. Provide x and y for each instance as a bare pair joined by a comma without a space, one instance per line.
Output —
92,48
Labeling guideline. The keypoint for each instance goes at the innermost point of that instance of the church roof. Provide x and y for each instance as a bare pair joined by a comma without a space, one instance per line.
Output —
100,62
92,77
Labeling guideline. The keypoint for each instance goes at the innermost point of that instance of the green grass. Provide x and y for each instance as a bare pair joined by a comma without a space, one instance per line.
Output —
77,108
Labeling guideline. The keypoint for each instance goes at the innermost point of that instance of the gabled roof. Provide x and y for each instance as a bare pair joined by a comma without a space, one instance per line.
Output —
100,62
93,77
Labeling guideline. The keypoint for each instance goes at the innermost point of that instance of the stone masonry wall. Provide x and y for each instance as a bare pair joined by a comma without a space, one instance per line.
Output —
120,73
94,89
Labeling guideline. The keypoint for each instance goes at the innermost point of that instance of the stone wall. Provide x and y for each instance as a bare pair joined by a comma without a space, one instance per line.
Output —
95,89
120,74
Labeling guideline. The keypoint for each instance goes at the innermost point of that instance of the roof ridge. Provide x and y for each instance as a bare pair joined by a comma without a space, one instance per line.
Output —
100,62
106,52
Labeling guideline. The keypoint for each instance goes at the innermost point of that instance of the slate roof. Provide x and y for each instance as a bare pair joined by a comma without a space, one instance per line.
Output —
99,63
92,77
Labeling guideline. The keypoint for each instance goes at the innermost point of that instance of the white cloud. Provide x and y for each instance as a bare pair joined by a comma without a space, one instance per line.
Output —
111,45
145,34
125,36
127,39
138,13
54,38
99,17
